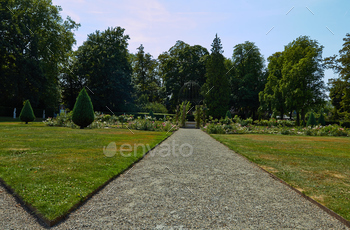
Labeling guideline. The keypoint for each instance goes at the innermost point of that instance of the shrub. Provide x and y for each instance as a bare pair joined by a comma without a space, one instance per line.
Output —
321,120
27,113
151,114
83,112
228,114
312,120
155,107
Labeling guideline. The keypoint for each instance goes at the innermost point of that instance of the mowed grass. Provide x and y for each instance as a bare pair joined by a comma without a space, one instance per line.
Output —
317,166
54,168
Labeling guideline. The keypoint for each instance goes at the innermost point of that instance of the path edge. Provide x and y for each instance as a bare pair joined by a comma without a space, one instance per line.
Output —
324,208
46,223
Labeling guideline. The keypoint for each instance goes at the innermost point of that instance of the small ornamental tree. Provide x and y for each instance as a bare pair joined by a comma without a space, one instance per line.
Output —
151,114
83,112
27,113
312,120
321,120
228,114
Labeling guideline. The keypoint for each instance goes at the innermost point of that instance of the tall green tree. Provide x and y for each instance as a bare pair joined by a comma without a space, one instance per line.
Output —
271,98
249,78
145,76
181,64
340,88
34,46
302,76
216,90
102,65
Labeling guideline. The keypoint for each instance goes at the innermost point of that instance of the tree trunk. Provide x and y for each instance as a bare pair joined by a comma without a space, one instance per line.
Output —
282,113
303,115
298,120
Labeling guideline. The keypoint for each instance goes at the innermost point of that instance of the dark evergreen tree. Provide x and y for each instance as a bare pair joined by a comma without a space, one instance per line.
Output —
321,120
151,113
228,114
312,120
216,90
83,112
27,113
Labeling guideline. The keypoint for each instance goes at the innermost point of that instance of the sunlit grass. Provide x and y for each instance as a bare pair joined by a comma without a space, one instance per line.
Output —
53,168
317,166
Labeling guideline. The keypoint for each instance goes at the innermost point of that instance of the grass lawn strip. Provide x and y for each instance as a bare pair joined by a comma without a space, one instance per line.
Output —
53,168
319,167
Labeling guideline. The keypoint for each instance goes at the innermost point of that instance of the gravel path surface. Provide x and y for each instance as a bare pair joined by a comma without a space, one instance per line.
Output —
207,187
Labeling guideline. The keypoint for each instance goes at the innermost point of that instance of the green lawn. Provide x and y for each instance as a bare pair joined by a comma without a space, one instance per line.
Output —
53,168
317,166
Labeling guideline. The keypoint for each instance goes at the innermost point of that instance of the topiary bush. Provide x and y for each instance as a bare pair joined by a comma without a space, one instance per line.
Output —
27,113
321,120
312,121
83,112
228,114
151,114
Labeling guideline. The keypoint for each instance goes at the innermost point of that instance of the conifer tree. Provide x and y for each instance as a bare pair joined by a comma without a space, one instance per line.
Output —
27,113
217,87
83,112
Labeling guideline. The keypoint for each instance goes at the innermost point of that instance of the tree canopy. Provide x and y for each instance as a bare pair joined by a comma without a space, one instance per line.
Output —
247,79
102,65
35,43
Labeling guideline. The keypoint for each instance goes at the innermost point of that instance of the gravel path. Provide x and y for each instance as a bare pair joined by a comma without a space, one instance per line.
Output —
212,188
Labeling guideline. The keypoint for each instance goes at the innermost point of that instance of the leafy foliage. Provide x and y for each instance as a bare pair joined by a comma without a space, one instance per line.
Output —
34,46
248,78
181,64
145,77
102,65
83,112
27,113
340,88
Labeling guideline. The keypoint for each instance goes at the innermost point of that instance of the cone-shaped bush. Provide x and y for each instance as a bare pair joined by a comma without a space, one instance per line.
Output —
83,112
27,113
321,120
312,120
228,114
151,114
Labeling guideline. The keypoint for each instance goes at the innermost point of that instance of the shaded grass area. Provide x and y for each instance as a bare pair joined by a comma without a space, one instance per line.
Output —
317,166
54,168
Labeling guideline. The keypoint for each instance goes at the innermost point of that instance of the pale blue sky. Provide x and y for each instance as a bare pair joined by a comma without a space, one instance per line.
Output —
158,24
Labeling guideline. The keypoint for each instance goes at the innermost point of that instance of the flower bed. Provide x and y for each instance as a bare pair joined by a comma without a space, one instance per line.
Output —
238,128
112,121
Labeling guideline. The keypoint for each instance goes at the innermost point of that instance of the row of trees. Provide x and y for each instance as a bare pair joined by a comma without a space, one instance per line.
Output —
37,63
